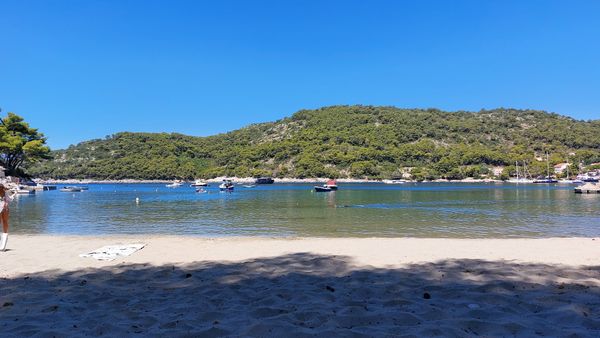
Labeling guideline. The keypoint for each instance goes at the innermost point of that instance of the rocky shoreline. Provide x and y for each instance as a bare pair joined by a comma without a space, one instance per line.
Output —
251,180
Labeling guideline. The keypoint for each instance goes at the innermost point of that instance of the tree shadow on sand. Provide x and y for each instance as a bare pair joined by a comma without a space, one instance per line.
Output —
305,295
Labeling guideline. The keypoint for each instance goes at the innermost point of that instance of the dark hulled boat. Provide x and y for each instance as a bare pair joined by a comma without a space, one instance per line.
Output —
264,180
331,185
227,185
319,188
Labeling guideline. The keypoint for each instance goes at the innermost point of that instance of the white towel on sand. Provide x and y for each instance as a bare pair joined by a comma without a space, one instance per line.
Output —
110,252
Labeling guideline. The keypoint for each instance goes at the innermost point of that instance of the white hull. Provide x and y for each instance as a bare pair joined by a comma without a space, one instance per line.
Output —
393,181
70,190
521,180
25,192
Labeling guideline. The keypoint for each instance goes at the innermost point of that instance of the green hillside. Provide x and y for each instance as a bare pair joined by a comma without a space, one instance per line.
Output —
340,141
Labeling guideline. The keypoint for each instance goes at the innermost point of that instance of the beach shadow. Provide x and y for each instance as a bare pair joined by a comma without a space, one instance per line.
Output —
305,295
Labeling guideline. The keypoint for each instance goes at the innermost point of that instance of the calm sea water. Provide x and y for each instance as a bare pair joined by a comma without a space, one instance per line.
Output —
416,210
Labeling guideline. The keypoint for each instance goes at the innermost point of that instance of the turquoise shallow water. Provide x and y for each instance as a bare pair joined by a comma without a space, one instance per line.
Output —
409,210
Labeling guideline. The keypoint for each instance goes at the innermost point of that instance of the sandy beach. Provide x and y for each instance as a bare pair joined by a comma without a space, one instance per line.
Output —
269,287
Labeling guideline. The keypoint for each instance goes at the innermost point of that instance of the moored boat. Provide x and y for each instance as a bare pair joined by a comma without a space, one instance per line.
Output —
22,190
227,185
199,183
547,180
521,174
519,180
394,181
319,188
331,184
71,189
175,184
591,177
264,180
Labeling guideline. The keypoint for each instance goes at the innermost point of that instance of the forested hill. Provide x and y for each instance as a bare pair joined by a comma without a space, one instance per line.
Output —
340,141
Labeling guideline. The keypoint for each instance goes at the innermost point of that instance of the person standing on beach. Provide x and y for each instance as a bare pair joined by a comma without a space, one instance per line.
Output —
5,197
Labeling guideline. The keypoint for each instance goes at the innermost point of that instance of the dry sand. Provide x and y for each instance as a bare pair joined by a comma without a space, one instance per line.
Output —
262,287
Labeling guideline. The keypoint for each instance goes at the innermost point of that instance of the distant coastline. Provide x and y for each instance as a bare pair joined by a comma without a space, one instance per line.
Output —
252,179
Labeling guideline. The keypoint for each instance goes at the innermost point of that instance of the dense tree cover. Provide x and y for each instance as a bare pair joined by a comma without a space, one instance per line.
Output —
20,143
342,141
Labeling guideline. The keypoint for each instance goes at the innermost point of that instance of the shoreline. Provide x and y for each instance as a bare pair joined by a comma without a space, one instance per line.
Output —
36,253
252,179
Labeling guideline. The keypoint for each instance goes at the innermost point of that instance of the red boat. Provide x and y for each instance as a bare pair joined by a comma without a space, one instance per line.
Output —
331,184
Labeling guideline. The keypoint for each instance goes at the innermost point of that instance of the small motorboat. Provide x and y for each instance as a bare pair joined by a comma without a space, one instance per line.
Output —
249,186
394,181
199,183
331,184
319,188
71,189
227,185
22,191
175,184
547,180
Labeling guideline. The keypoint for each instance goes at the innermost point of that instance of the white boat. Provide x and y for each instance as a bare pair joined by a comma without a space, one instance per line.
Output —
199,183
589,177
566,181
394,181
521,175
22,191
227,185
175,184
71,189
546,179
519,180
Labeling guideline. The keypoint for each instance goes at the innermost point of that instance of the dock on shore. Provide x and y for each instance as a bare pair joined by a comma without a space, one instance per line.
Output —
588,188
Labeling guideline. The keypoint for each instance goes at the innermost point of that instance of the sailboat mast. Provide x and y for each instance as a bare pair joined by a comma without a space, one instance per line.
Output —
547,166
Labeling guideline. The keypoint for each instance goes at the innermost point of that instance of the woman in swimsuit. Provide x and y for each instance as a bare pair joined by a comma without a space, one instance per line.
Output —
5,197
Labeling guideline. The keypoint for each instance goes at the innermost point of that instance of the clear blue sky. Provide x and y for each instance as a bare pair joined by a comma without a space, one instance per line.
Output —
85,69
